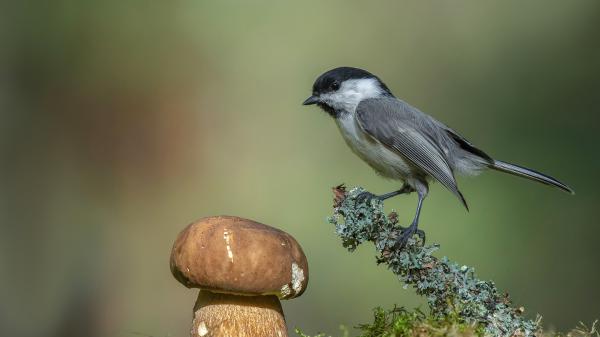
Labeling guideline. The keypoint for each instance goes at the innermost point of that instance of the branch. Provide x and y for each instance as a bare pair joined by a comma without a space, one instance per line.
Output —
451,290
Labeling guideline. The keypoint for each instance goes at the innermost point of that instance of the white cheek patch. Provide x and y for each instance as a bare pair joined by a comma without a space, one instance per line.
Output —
365,88
351,93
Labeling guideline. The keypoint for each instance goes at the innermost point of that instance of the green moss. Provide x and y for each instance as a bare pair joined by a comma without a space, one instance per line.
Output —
399,322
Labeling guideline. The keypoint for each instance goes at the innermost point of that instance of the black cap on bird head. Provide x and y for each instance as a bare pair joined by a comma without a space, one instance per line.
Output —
332,80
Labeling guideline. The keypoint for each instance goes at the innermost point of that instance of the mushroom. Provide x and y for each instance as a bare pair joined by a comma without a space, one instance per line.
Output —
242,268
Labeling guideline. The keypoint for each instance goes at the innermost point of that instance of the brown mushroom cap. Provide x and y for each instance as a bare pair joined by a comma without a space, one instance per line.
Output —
233,255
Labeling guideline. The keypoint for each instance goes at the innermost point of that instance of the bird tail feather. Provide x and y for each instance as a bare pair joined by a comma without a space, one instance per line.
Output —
524,172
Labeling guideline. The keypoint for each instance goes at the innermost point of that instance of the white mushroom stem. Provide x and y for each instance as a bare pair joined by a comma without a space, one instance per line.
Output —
225,315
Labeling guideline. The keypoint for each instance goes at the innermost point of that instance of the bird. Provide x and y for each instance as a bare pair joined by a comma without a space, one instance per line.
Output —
402,143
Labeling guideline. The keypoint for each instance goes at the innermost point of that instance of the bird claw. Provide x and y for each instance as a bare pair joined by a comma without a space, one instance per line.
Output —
407,233
366,197
421,234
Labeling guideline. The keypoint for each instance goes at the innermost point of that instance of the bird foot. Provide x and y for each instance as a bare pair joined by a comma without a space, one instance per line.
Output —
366,197
407,233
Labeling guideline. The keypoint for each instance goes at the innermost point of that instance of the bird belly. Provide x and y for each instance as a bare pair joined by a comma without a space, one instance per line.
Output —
384,161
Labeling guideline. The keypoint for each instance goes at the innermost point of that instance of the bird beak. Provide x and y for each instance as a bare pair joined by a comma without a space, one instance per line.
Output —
311,100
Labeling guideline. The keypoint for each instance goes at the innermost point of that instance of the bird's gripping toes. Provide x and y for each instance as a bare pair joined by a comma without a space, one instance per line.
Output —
400,142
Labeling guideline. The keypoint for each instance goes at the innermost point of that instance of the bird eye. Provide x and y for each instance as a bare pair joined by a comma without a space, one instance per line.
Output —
335,85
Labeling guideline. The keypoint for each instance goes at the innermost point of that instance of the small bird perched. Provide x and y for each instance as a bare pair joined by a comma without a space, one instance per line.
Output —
400,142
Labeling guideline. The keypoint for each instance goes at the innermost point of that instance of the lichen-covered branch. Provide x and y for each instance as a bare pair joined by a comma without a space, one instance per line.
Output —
450,289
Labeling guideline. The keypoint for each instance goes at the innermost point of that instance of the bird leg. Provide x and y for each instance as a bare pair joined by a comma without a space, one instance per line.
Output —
367,196
413,229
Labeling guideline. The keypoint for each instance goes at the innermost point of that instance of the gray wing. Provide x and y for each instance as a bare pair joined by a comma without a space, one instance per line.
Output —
409,132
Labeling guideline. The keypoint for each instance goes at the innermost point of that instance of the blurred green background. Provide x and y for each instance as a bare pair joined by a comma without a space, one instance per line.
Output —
122,121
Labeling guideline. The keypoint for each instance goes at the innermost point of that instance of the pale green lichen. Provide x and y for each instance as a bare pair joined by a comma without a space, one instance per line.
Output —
451,290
